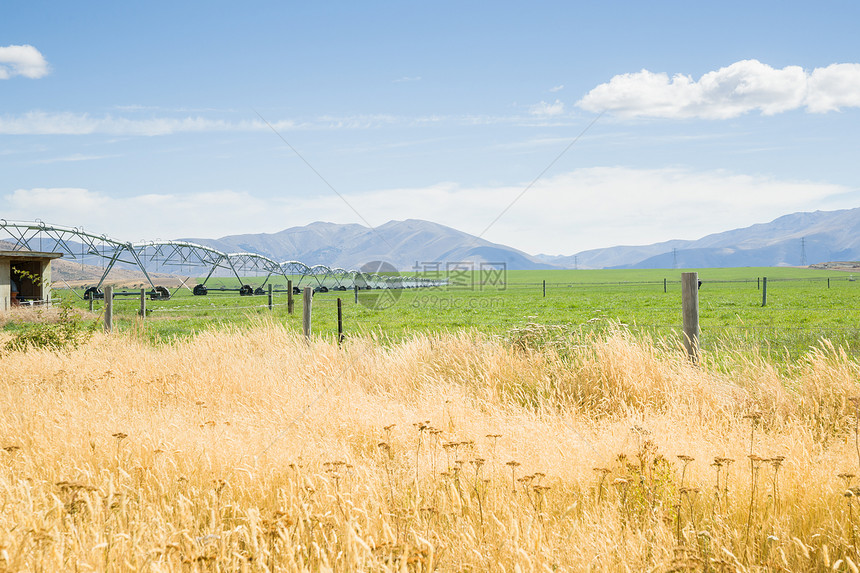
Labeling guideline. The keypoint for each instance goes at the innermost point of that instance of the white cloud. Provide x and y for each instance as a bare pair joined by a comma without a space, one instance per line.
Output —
584,209
140,217
740,88
73,158
547,109
603,206
23,60
71,123
834,87
556,89
66,123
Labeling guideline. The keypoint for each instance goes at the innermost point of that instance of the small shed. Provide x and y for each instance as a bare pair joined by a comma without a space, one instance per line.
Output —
30,272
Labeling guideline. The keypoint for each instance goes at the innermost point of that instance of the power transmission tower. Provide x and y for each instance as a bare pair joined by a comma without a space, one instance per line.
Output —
674,258
803,251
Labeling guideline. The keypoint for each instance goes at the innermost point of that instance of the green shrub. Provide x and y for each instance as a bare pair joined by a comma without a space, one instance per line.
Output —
68,332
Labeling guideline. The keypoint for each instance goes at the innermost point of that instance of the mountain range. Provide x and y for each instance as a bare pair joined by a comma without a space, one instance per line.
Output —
797,239
406,244
792,240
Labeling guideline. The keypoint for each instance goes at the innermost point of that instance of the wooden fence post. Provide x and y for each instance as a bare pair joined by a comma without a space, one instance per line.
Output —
690,306
355,288
828,282
271,298
665,290
108,308
142,311
91,302
544,288
764,291
289,296
306,312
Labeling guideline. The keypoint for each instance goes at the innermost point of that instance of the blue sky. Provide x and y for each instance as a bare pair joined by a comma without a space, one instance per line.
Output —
155,120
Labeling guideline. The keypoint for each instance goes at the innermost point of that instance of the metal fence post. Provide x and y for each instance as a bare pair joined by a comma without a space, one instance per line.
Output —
339,322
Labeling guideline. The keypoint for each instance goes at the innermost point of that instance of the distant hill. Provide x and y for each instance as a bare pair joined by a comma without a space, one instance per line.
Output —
817,237
400,243
71,273
820,236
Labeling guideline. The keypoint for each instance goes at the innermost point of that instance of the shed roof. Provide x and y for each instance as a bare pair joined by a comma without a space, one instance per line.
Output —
19,255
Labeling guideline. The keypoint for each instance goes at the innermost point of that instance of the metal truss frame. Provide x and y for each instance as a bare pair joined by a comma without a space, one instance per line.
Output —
150,255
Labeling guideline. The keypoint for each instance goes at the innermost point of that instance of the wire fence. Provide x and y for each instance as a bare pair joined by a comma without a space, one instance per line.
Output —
797,314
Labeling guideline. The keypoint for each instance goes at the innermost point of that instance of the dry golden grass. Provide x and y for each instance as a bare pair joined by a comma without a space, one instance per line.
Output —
251,450
30,315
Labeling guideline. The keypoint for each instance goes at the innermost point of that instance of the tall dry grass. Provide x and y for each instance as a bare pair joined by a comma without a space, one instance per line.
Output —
251,450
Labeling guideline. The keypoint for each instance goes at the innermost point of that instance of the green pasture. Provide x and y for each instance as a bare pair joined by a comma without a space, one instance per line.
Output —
803,306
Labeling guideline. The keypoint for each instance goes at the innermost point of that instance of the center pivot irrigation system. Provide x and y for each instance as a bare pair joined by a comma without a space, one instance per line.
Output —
177,257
